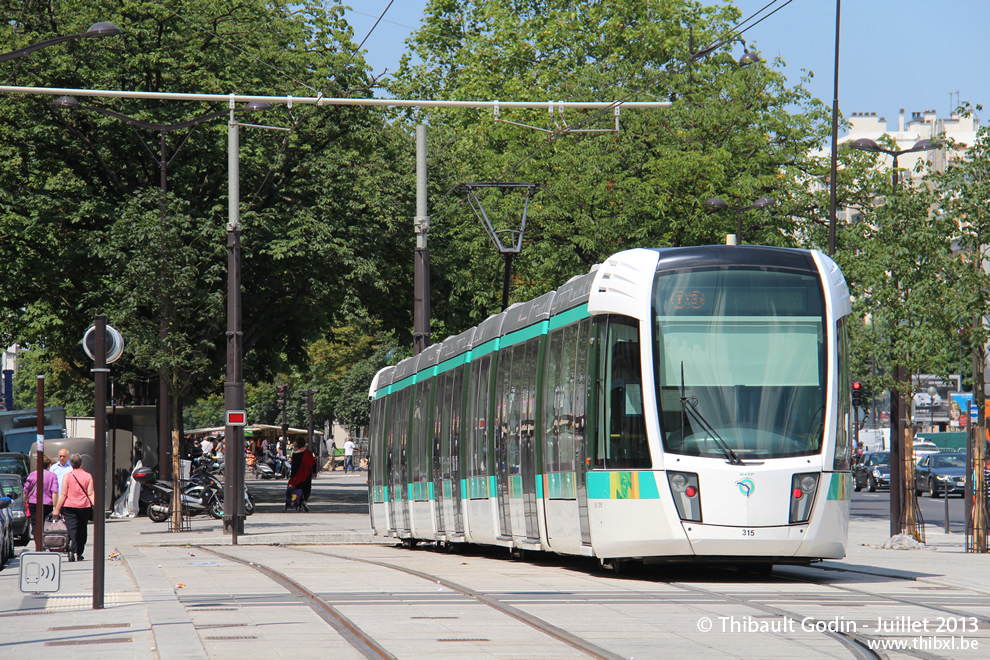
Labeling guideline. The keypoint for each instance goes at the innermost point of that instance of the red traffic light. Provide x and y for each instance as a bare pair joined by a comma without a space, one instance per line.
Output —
857,386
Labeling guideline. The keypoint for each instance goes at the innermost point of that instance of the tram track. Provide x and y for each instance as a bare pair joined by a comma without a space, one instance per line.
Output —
365,644
855,642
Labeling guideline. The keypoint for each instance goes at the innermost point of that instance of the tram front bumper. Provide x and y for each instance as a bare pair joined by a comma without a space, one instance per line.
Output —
719,540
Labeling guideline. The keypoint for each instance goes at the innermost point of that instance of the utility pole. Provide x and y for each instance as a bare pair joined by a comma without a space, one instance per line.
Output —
283,398
307,396
421,259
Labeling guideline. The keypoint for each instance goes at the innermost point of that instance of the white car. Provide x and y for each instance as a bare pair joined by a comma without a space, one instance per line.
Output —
923,448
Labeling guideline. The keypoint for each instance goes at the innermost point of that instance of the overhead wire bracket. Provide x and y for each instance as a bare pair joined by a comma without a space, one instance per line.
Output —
559,127
515,236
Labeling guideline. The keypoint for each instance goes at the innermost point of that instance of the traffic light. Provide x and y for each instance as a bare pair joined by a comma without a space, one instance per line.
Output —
857,394
283,394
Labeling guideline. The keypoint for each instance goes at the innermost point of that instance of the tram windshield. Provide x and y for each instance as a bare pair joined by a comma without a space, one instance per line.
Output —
745,349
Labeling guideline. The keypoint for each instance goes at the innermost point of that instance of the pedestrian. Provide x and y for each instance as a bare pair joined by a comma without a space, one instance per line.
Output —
62,467
333,455
75,501
349,454
207,446
301,474
49,492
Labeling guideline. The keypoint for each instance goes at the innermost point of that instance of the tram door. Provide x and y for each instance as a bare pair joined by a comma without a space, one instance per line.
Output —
452,460
442,404
527,439
446,472
565,464
504,397
583,403
398,457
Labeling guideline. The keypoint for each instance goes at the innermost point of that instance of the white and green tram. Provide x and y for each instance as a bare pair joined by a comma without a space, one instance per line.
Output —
671,404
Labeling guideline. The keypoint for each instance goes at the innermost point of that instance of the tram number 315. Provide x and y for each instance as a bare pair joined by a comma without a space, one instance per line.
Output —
749,532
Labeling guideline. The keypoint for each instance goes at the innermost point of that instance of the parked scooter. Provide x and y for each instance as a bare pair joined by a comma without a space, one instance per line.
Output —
269,466
203,494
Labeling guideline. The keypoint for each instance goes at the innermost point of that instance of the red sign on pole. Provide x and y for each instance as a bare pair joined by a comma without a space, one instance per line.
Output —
236,418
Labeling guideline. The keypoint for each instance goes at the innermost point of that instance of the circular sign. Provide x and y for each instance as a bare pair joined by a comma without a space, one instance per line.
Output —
114,342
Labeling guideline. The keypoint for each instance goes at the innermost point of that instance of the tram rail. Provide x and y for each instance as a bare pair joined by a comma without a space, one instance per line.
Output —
857,644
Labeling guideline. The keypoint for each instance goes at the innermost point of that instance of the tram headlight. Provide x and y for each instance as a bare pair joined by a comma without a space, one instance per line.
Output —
686,494
803,489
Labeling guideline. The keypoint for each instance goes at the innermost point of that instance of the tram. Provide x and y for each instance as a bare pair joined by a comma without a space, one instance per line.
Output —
673,404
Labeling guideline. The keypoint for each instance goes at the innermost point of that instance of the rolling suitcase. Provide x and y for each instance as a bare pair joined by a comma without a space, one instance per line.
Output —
55,535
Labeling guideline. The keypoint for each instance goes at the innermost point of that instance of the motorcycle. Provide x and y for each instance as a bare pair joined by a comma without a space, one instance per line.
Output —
248,503
203,494
269,466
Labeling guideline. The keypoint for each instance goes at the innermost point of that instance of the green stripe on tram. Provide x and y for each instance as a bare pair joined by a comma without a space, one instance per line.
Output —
453,362
619,485
522,335
570,316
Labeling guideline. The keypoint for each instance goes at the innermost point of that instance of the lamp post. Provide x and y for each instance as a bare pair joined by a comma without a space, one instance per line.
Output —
901,491
833,179
719,203
95,30
866,144
163,162
233,387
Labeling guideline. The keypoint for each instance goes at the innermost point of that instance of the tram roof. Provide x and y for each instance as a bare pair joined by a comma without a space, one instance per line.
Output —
525,314
574,292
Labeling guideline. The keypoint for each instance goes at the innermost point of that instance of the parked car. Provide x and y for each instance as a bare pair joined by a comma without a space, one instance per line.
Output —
938,472
12,486
872,471
15,462
6,533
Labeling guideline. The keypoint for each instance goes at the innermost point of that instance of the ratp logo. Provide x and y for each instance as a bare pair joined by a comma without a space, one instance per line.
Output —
746,486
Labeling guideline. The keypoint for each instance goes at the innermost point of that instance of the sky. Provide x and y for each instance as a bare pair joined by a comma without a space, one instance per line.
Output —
893,54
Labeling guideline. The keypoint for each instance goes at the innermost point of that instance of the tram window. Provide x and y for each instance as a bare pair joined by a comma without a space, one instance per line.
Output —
419,470
456,406
844,428
477,415
585,395
554,404
517,396
749,355
624,444
439,423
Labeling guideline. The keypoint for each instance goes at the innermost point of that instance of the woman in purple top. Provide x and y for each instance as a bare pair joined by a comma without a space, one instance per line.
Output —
49,491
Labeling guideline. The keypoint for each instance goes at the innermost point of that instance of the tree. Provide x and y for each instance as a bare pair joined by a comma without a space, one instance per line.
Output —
80,203
730,132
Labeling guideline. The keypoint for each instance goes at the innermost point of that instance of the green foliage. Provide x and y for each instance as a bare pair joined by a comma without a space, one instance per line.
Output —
731,132
87,230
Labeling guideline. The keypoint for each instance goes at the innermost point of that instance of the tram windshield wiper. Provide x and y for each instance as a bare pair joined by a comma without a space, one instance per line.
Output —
689,405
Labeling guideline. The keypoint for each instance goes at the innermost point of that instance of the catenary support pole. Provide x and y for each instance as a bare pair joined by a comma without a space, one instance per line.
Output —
39,513
421,225
233,389
99,458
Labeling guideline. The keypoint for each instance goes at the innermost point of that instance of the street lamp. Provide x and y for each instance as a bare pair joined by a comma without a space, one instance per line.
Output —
903,504
96,30
163,161
719,203
866,144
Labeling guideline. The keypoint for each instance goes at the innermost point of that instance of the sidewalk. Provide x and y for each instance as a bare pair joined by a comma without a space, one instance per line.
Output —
166,598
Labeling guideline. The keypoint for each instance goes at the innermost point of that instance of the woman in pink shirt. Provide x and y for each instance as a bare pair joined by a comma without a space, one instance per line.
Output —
49,491
76,503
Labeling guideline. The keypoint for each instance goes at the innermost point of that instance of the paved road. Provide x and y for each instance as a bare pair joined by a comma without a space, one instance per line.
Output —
194,595
876,507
